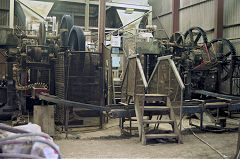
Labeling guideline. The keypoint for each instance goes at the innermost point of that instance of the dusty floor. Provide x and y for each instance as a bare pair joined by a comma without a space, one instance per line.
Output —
109,143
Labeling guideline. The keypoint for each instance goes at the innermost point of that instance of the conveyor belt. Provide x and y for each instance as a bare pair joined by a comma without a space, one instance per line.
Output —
216,95
55,99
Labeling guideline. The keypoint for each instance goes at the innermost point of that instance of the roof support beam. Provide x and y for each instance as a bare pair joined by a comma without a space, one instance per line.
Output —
108,4
101,24
175,20
11,14
218,26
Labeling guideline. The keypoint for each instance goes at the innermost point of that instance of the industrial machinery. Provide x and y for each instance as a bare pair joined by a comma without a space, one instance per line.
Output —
202,65
8,43
209,71
57,68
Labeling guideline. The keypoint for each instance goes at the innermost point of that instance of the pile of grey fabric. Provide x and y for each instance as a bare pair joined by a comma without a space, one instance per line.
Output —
27,141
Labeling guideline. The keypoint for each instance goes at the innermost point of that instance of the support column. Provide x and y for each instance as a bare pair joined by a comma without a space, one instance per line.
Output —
88,38
175,12
11,14
150,16
87,16
218,26
101,24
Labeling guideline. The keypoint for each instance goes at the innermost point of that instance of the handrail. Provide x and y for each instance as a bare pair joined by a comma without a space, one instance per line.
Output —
179,79
142,73
174,68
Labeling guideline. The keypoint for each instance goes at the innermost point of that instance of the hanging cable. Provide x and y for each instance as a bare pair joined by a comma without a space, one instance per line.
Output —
222,155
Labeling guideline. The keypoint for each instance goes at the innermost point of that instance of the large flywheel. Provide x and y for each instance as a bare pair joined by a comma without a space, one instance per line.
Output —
177,39
224,52
76,42
65,28
195,42
76,39
194,37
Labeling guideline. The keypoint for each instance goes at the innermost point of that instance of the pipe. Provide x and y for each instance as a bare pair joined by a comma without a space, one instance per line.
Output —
10,129
16,155
25,135
31,141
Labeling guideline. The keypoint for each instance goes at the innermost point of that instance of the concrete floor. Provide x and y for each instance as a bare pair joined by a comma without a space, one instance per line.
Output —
109,143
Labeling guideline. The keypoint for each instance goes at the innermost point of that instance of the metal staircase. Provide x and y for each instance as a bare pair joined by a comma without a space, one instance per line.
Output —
146,104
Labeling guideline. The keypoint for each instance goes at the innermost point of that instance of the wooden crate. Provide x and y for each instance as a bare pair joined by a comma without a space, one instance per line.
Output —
43,115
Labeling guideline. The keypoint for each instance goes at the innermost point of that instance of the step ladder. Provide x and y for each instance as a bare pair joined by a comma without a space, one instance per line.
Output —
146,104
117,89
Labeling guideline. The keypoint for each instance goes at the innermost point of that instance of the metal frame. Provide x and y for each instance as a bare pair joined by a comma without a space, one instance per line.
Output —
179,80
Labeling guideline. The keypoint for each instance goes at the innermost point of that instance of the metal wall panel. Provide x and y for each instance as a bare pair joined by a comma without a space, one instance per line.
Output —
233,32
210,35
4,17
4,12
80,21
4,4
187,3
166,21
231,12
161,7
231,17
201,15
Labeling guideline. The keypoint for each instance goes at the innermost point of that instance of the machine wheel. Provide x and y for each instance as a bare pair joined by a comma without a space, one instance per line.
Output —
66,25
77,43
177,38
224,52
193,35
76,39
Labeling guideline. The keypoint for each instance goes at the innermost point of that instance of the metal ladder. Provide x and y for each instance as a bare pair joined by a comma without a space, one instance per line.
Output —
143,106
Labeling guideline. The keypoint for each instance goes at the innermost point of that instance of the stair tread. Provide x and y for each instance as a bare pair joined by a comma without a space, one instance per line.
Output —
158,136
156,108
156,95
158,121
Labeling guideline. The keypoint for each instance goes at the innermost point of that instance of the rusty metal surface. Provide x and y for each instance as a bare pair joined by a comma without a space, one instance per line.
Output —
3,64
76,84
147,48
60,87
133,81
130,45
175,18
7,37
218,26
163,81
101,24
